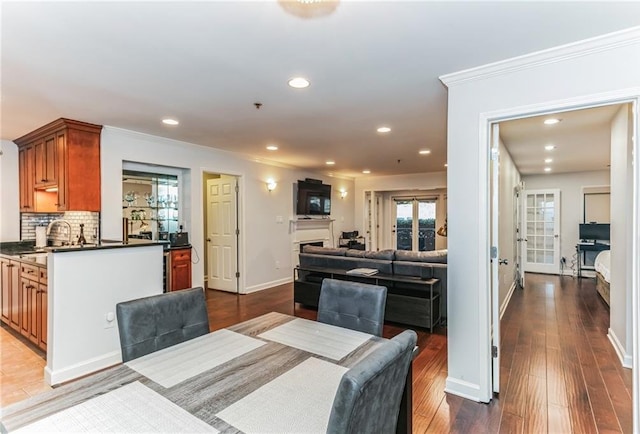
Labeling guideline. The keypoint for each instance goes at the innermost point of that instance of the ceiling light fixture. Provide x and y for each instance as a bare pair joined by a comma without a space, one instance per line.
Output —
299,82
552,121
383,129
309,9
547,169
549,147
330,163
169,121
446,165
272,148
548,160
366,171
424,152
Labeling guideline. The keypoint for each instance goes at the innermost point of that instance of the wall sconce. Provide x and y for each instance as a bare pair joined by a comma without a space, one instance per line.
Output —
343,193
271,185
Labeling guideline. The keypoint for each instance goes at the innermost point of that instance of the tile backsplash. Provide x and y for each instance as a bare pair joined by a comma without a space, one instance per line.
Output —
59,232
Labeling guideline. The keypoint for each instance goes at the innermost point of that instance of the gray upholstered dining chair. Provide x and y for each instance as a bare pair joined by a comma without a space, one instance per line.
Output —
152,323
352,305
369,394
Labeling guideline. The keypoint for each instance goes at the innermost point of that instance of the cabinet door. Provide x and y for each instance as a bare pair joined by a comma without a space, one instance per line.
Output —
41,313
61,152
25,307
45,151
34,317
14,296
180,269
26,165
5,290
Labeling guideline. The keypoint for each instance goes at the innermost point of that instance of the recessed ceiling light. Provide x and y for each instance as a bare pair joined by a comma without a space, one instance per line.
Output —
330,163
424,151
446,165
366,171
383,129
299,82
547,169
169,121
550,147
272,148
548,160
551,121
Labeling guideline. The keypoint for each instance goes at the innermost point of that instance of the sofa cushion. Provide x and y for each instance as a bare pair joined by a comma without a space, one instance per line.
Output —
435,256
355,253
387,255
339,251
415,269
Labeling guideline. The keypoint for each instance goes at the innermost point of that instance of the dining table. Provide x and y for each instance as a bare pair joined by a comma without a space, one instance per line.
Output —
272,373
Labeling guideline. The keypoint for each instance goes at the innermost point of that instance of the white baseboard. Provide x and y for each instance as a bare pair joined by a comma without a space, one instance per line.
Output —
260,287
507,299
625,358
463,389
54,377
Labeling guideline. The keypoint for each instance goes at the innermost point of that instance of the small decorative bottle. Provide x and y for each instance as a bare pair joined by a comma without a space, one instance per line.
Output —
81,239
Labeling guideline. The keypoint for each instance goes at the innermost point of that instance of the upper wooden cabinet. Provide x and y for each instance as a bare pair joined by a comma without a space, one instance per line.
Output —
62,155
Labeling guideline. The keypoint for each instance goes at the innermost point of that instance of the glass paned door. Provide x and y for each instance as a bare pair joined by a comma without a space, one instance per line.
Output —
542,231
415,224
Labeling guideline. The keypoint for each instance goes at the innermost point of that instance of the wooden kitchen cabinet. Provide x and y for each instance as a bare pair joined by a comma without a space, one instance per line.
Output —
180,269
64,158
26,169
10,292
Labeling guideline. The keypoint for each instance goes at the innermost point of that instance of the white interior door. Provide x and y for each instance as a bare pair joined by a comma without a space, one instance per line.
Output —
495,255
542,231
519,236
222,237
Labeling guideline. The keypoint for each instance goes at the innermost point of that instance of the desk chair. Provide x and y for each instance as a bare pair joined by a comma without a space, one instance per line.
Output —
369,394
152,323
352,305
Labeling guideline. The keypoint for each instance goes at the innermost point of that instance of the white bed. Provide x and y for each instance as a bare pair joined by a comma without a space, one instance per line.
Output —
602,265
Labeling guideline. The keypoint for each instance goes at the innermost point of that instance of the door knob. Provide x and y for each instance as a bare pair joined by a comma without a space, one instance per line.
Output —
503,262
208,240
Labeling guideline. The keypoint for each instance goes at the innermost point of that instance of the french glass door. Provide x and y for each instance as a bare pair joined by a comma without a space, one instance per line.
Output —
542,231
415,224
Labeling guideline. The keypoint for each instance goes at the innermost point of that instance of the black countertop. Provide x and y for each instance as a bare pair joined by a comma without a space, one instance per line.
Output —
22,248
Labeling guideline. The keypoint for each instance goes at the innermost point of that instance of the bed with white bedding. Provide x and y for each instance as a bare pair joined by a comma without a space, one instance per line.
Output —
602,265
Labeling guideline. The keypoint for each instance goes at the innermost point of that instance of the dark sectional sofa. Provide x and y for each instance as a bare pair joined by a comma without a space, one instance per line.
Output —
402,272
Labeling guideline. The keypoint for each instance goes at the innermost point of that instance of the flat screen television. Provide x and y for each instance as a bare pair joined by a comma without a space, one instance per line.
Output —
313,198
595,231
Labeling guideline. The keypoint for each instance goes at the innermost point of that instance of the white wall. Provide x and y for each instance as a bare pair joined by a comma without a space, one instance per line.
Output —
508,179
263,239
9,194
620,332
393,183
565,77
83,288
571,205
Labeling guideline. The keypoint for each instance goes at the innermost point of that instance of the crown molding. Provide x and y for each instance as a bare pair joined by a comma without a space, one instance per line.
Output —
551,55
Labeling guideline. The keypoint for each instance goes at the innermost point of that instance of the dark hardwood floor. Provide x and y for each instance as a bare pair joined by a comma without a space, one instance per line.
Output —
559,372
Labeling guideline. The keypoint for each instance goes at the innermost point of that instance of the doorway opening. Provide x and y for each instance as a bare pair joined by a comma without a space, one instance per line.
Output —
222,231
545,242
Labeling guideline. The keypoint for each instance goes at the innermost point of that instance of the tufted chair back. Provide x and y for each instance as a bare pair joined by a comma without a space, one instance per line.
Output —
152,323
369,394
352,305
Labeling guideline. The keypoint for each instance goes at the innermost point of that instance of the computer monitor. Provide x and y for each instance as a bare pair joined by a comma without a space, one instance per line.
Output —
595,231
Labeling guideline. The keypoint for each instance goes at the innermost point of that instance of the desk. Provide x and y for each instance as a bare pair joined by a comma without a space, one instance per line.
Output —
581,248
206,394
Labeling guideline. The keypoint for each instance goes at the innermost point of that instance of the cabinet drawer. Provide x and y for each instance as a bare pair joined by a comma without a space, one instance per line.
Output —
29,271
181,255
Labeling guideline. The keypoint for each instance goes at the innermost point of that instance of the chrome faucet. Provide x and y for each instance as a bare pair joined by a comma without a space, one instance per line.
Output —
60,221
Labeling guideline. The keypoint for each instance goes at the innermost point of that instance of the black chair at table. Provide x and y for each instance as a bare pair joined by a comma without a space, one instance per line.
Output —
369,394
152,323
352,305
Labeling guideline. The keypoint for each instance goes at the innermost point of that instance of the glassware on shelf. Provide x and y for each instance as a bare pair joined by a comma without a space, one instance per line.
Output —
130,197
149,198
